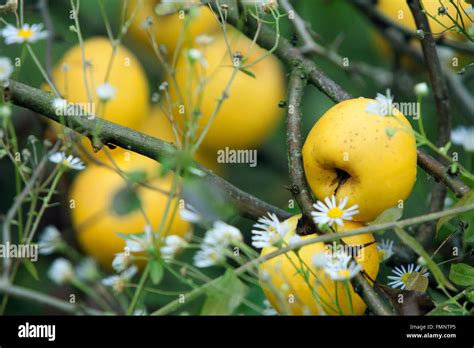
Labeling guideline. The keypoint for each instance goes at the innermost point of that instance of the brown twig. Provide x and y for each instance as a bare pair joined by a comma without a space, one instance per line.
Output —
398,35
441,173
299,186
438,192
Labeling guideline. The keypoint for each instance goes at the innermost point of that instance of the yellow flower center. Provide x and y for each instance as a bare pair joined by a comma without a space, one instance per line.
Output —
25,33
335,213
404,278
344,273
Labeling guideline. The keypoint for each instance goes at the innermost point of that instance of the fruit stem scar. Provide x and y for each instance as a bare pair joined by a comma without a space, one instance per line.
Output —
341,178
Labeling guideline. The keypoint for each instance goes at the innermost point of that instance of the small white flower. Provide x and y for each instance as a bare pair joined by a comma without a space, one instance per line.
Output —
139,243
69,162
223,235
171,246
189,214
463,136
421,89
402,274
385,248
106,92
342,270
26,33
269,231
208,256
87,270
118,282
331,212
195,55
121,262
320,259
6,68
204,39
49,240
382,105
61,271
60,106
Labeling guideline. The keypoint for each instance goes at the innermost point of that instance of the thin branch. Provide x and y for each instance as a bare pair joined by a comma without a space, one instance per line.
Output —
441,173
112,134
382,76
38,297
438,192
299,186
398,35
16,205
376,16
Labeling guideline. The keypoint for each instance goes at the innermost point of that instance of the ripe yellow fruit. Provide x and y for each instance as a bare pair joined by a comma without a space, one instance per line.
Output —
399,11
366,157
95,217
168,29
129,107
250,113
289,293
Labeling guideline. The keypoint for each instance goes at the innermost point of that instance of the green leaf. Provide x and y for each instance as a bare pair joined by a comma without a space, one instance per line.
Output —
156,271
467,199
417,282
462,274
31,268
126,201
414,245
470,296
248,72
389,215
225,296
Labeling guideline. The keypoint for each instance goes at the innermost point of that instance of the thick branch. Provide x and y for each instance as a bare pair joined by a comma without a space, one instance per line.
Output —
299,186
440,91
116,135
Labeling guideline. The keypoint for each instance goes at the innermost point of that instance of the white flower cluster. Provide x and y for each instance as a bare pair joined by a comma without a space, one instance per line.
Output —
215,244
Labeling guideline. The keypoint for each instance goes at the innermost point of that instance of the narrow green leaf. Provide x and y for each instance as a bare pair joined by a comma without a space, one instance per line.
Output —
248,72
462,274
467,199
225,296
156,271
414,245
31,268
